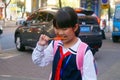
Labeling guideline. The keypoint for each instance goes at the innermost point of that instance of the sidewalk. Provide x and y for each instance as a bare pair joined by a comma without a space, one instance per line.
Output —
8,23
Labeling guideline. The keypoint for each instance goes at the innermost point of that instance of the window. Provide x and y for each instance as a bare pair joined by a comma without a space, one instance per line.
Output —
117,13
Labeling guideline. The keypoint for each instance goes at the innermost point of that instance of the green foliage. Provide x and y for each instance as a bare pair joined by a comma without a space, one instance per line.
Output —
20,4
4,1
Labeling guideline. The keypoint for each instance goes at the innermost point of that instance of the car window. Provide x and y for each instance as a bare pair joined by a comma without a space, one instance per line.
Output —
50,17
117,15
41,17
88,20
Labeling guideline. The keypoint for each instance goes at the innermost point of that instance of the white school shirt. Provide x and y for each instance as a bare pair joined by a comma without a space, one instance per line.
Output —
43,55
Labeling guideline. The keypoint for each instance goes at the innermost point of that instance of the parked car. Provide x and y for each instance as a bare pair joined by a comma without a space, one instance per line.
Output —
1,29
90,31
40,22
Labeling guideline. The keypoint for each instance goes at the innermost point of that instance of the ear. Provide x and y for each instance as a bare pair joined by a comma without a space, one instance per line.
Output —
76,27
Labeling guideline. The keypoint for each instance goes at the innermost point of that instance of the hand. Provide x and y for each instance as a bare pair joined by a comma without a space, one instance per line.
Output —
43,40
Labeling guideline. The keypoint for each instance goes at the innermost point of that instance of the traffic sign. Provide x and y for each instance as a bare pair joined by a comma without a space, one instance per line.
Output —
105,4
104,1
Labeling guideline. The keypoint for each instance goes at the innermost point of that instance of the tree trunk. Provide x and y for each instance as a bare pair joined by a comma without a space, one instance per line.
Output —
6,4
5,14
60,3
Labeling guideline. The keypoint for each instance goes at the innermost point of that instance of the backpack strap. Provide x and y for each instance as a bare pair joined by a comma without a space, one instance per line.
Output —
80,55
55,46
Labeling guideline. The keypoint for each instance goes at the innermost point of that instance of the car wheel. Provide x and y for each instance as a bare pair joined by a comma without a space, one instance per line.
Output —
1,31
18,43
115,39
103,35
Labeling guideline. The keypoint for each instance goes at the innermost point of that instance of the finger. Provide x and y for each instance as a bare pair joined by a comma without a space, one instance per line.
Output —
46,38
40,38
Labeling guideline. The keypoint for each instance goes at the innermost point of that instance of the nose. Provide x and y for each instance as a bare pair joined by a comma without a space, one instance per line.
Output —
59,32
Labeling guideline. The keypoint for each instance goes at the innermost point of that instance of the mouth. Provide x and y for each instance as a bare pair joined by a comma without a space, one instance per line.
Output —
58,38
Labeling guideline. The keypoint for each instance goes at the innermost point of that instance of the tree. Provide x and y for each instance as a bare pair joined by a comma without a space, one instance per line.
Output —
6,5
21,5
60,4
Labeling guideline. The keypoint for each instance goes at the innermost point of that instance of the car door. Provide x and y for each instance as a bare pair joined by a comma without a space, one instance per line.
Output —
40,23
35,28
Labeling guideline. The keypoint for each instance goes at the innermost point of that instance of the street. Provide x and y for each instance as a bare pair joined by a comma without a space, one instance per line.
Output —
108,61
7,38
19,64
15,64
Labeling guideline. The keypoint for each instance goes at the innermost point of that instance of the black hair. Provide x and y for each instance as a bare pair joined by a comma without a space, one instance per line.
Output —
66,17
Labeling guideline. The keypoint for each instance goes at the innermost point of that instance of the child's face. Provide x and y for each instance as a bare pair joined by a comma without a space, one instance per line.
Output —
67,33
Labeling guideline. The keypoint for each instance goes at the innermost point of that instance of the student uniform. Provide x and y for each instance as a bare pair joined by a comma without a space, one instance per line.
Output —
66,69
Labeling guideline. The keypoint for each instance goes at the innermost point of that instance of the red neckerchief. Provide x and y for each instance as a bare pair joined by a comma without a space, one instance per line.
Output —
62,56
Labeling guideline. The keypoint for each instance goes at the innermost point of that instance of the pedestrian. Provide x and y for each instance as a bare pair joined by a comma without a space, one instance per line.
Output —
103,29
104,24
64,68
